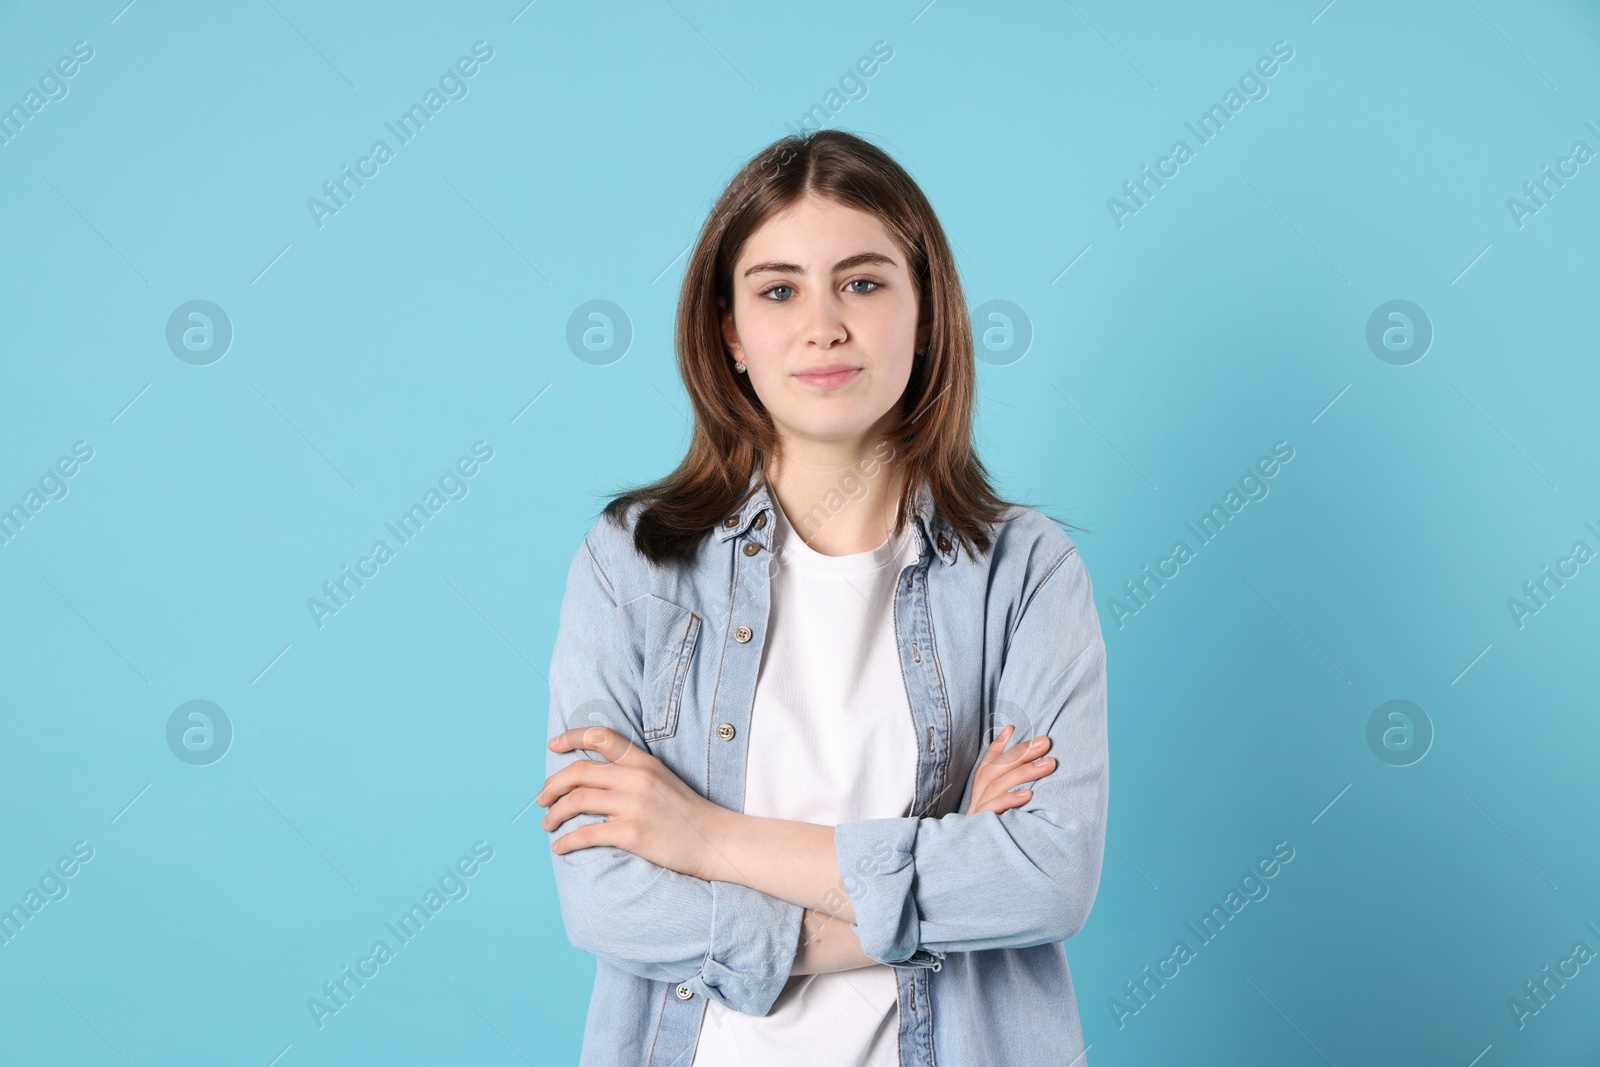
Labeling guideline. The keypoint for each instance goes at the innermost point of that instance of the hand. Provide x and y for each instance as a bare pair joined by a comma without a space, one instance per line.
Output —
999,771
649,811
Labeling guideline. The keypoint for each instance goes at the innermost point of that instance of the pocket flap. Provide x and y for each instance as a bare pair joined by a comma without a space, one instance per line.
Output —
671,633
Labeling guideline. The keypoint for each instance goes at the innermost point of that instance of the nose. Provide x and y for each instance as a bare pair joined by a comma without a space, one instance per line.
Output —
825,327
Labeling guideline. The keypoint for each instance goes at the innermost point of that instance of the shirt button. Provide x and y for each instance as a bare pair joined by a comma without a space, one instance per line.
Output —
761,520
684,992
751,548
742,634
731,521
944,543
725,731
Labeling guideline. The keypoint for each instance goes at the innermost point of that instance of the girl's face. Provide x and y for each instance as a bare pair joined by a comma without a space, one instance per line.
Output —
825,320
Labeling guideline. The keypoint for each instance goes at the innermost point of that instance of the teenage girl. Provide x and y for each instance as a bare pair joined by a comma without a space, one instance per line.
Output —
784,814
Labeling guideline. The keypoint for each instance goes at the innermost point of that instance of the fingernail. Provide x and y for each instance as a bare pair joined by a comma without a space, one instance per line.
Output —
1036,742
1041,761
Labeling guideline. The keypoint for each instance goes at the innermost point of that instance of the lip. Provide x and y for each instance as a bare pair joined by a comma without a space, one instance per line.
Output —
829,375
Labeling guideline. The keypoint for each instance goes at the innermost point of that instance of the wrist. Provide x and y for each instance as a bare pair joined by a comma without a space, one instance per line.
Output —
722,827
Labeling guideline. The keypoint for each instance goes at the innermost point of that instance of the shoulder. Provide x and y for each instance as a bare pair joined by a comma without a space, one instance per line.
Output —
1037,559
608,547
628,573
1030,539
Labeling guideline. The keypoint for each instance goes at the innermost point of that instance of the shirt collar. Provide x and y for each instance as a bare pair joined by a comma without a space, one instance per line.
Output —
933,531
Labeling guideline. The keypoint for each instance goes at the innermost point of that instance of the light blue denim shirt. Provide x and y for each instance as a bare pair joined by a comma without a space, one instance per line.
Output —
970,910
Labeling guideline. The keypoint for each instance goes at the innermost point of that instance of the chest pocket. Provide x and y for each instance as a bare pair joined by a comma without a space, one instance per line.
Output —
671,633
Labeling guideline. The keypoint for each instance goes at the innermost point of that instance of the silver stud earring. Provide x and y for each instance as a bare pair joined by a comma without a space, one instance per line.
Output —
738,366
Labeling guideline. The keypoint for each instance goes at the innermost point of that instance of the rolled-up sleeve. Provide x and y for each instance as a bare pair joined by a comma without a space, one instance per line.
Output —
725,941
1026,876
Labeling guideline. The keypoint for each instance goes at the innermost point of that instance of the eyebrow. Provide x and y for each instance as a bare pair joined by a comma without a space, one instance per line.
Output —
779,267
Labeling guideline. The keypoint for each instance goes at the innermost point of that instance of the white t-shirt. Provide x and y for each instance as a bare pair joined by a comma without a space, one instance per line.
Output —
831,740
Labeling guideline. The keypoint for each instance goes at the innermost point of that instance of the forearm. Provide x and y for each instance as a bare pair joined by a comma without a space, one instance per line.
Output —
828,944
793,861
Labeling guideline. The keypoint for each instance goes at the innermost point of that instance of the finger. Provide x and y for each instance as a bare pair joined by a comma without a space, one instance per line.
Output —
1000,778
586,836
1001,787
615,747
993,753
1029,771
990,776
559,782
582,801
583,772
991,770
999,743
1004,802
1023,751
596,738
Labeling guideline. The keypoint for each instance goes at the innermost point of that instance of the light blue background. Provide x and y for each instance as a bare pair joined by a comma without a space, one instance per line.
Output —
431,311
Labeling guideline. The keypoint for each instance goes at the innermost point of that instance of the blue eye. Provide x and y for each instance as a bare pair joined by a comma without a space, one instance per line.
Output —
864,281
777,300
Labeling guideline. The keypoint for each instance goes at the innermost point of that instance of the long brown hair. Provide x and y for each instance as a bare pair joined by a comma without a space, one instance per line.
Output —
733,433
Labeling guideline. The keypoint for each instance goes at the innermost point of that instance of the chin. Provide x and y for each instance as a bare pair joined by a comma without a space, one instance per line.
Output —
834,426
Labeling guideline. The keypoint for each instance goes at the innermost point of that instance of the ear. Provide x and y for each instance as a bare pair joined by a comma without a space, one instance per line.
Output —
730,334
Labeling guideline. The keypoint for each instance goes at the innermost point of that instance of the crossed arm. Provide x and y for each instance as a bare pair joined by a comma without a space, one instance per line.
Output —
659,882
653,815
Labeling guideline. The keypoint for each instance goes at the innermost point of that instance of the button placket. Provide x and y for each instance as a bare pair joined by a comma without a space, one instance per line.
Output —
923,687
743,633
932,711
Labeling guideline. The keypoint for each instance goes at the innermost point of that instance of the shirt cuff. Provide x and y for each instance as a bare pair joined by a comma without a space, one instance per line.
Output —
878,866
754,938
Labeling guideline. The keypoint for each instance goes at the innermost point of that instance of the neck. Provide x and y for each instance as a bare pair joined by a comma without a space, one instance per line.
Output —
835,508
